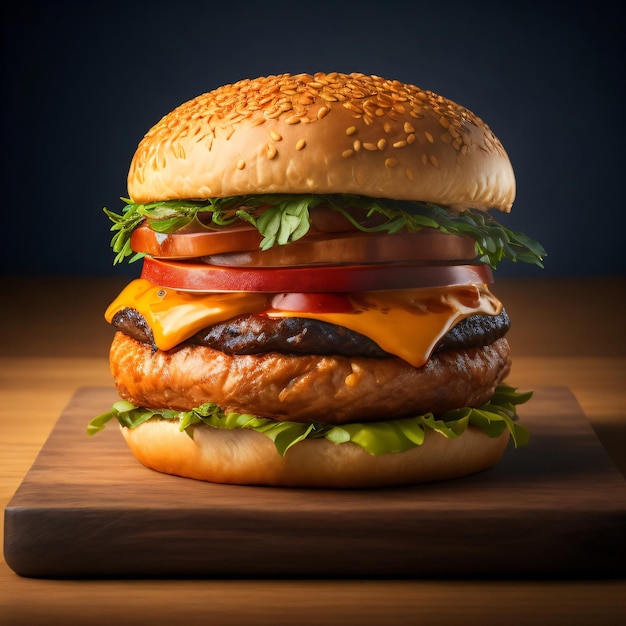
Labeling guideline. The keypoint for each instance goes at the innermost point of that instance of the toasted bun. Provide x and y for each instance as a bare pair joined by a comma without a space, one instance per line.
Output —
303,388
323,133
249,457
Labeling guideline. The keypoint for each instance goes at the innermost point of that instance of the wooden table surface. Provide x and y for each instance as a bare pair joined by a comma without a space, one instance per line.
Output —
566,332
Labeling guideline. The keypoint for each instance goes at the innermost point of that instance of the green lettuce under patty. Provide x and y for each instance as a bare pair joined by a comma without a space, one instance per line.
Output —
399,435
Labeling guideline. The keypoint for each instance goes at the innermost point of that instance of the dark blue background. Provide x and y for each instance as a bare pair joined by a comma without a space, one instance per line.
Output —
82,85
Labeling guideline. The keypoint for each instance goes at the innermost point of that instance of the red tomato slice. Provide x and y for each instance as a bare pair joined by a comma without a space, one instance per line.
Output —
185,244
313,302
239,246
355,248
338,278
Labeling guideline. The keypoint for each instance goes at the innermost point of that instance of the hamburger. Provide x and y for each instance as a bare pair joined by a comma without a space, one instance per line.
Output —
314,307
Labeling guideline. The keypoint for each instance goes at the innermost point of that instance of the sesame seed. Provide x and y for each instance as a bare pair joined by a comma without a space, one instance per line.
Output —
444,121
368,145
391,162
271,151
292,119
429,137
399,144
263,101
351,130
392,115
410,138
241,164
356,145
352,107
300,144
409,174
323,112
434,160
347,153
381,144
275,135
408,128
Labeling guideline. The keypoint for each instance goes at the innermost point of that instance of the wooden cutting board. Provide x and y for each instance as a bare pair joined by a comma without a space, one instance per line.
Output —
87,508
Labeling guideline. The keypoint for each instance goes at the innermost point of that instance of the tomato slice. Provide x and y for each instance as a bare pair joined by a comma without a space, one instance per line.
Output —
239,246
185,244
355,248
313,302
193,276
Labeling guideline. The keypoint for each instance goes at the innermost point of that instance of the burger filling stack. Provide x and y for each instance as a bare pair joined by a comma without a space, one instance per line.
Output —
315,303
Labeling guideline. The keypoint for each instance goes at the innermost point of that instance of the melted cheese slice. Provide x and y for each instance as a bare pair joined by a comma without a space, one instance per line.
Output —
407,322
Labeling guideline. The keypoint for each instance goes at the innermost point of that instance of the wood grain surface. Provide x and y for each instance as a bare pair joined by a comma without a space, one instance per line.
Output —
88,509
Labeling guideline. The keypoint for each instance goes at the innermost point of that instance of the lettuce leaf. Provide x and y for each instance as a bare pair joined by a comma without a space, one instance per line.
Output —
398,435
284,218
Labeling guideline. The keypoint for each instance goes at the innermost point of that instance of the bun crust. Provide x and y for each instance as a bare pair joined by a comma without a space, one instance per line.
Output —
331,389
323,133
248,457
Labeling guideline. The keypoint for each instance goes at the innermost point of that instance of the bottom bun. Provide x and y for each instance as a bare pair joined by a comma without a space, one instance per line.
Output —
246,457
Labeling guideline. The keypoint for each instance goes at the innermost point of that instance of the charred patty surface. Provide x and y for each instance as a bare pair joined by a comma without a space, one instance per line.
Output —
257,334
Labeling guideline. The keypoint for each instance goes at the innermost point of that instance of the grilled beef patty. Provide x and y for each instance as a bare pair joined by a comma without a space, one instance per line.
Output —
257,334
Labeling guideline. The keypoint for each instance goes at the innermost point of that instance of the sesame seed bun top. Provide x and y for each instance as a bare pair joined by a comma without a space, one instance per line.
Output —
323,133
